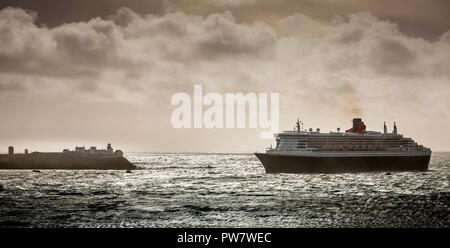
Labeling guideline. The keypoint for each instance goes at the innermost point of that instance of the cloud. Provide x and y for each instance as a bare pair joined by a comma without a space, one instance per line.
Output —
182,36
8,85
174,48
358,62
301,24
67,51
392,56
234,3
415,17
226,37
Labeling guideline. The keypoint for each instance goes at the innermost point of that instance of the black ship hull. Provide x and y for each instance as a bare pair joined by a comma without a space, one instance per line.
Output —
276,163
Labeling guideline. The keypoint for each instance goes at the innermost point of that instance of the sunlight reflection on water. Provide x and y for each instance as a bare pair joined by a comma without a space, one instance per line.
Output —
223,190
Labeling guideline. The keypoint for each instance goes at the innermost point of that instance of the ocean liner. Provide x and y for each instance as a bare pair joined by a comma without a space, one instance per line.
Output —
355,150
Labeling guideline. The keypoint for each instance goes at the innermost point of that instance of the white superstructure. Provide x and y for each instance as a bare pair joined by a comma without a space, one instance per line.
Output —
355,141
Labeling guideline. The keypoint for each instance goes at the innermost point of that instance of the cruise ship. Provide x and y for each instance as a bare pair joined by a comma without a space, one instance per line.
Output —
355,150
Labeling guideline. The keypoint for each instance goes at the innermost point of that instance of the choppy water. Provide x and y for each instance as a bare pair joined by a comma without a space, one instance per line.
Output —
223,190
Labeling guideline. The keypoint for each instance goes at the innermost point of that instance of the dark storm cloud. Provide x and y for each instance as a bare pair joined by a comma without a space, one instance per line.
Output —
184,37
127,43
230,38
14,87
103,51
420,18
56,12
357,63
68,50
392,56
350,37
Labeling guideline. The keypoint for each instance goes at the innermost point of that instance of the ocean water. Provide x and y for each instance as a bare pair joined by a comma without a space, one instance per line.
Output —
223,190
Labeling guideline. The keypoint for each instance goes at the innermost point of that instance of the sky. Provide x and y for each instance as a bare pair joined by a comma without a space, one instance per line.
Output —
93,72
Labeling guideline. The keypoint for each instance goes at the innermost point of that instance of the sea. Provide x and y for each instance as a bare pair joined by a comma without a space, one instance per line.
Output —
223,190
